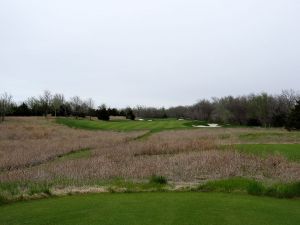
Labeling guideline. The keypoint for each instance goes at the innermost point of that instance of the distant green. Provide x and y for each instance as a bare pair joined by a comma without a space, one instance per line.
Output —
290,151
153,209
129,125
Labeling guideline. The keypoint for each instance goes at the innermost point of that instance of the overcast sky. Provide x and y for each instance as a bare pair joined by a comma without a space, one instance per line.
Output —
155,53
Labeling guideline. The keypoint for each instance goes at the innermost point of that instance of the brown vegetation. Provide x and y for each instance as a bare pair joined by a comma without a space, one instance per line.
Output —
31,141
27,145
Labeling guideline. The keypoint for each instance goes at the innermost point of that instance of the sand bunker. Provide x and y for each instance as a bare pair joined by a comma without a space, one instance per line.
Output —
209,125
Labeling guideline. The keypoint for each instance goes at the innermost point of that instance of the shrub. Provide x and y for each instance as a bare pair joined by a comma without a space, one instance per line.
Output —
293,122
253,122
39,188
158,180
228,185
129,114
102,113
255,188
279,120
284,190
3,199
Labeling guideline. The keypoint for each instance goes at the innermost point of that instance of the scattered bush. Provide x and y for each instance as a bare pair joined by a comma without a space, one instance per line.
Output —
255,188
253,122
3,199
39,189
284,190
158,180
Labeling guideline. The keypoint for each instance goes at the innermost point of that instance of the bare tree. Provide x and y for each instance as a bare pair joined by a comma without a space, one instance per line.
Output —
46,100
90,105
57,101
76,103
5,105
202,110
289,98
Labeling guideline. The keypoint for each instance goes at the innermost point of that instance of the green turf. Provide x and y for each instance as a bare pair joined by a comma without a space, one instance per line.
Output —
253,187
83,153
271,136
129,125
153,208
290,151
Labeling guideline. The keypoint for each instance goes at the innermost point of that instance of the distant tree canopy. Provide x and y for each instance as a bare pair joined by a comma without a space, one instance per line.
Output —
130,114
251,110
102,113
6,105
21,110
293,121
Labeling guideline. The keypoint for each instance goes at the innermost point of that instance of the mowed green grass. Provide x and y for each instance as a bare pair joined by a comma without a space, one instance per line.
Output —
129,125
154,208
83,153
290,151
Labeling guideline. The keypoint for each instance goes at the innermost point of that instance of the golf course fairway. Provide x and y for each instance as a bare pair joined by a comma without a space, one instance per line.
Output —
186,208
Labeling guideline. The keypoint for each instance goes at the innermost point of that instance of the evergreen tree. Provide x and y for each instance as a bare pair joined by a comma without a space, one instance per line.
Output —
293,122
22,110
102,113
129,114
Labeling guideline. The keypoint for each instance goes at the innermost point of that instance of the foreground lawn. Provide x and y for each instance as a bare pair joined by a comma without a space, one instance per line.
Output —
154,208
129,125
290,151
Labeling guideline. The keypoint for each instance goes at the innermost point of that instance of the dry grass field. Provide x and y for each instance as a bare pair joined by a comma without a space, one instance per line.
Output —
37,149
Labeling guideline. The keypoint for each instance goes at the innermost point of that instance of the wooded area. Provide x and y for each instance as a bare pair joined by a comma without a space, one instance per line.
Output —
252,110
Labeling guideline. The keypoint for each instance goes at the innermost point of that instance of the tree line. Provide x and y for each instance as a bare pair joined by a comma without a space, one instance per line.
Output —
57,105
250,110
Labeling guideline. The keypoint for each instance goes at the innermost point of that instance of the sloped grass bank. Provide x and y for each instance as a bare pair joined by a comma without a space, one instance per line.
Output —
18,191
154,208
252,187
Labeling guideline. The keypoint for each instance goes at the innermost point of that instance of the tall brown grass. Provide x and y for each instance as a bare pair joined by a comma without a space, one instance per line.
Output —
30,141
185,155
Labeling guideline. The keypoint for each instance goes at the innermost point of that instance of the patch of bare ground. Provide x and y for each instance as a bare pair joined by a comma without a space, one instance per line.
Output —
78,190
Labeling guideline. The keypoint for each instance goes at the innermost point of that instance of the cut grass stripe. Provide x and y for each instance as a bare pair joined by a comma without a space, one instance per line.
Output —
126,125
290,151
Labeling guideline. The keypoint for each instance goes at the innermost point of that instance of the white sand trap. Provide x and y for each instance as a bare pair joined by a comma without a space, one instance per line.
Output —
140,119
180,119
149,120
209,125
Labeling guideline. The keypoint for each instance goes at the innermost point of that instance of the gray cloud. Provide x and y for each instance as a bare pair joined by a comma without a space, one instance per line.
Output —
158,52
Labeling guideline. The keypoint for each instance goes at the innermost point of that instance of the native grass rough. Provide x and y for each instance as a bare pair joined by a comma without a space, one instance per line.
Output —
29,146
